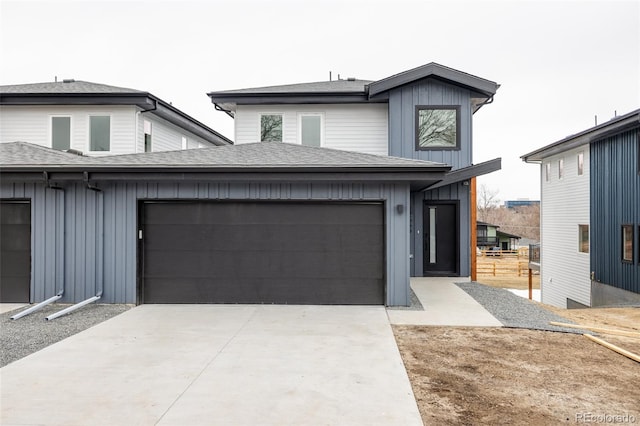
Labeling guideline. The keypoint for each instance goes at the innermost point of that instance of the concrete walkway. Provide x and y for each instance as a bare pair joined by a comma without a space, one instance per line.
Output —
8,307
444,304
217,364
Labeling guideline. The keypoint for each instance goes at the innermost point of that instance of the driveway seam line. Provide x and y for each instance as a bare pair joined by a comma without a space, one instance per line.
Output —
207,365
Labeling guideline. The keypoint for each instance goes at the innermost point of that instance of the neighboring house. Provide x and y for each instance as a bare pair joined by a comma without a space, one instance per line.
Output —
590,215
424,114
97,119
489,235
249,223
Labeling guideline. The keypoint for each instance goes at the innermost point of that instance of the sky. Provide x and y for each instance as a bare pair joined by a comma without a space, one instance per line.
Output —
559,63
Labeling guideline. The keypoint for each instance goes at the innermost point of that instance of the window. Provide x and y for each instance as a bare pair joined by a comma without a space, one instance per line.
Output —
311,129
560,168
99,133
61,133
271,128
185,143
147,136
437,127
627,243
547,172
581,163
583,238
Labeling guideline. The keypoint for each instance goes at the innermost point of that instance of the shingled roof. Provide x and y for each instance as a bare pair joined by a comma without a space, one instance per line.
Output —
65,86
261,155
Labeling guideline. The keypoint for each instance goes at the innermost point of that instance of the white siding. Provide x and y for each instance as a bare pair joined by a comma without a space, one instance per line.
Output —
166,136
349,127
33,124
565,205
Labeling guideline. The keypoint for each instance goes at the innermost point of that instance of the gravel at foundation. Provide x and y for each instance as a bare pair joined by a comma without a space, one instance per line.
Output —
415,304
26,335
515,311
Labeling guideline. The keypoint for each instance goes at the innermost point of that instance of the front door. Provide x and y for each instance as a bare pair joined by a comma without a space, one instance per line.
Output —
15,251
440,238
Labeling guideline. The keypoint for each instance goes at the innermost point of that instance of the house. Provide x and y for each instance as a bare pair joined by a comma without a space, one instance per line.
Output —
423,113
250,223
590,215
97,119
375,185
489,235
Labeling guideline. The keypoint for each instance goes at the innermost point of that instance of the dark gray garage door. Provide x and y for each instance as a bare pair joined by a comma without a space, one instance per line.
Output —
15,251
266,252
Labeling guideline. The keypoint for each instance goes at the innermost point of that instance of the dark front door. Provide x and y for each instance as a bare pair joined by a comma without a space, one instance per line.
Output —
440,239
15,251
263,252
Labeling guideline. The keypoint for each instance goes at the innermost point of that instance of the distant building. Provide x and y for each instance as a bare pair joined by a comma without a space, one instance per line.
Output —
511,204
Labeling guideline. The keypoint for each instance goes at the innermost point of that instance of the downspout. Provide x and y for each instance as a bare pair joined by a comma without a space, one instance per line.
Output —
60,292
99,256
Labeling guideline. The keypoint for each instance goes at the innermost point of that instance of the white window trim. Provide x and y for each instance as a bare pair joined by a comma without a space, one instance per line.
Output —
144,133
50,135
547,172
185,142
580,173
260,114
310,114
561,168
100,114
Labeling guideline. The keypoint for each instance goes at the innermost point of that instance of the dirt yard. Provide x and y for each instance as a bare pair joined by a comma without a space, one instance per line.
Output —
463,375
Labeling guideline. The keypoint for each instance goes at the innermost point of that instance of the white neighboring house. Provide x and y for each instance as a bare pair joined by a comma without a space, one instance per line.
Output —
590,215
564,228
98,119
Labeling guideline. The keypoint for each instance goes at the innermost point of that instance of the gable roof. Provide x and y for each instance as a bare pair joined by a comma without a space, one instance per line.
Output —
73,92
614,126
482,86
352,90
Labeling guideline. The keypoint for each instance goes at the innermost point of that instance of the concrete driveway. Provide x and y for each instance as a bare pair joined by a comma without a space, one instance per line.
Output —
217,364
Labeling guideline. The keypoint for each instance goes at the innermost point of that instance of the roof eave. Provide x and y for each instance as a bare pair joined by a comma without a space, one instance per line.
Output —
436,71
612,127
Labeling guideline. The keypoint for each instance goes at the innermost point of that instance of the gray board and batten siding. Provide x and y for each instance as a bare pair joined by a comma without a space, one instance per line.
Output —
88,240
615,201
402,119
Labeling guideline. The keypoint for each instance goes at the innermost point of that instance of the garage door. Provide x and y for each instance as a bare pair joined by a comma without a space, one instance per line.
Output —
266,252
15,251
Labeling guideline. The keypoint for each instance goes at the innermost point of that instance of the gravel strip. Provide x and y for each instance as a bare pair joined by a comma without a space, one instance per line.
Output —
416,305
29,334
515,311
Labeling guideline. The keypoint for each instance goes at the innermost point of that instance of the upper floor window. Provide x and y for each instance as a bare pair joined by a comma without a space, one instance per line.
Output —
310,129
627,243
437,127
99,133
580,163
61,133
147,136
583,238
560,168
547,172
185,142
271,128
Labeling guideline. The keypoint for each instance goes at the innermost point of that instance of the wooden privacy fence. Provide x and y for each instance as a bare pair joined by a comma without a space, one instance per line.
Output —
499,268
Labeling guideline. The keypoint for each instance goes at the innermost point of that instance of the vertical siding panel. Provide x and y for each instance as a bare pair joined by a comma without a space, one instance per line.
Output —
615,186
